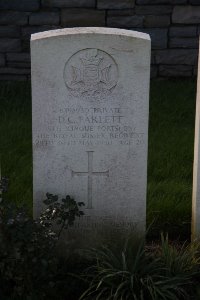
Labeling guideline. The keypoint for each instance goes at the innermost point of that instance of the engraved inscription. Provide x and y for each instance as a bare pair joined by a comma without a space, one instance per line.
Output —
90,72
90,126
90,173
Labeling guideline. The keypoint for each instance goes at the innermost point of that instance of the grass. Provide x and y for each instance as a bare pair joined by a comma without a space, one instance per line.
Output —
171,138
133,272
15,140
170,161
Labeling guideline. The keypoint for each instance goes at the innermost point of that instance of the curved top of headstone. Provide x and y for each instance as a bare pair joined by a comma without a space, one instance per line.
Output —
89,30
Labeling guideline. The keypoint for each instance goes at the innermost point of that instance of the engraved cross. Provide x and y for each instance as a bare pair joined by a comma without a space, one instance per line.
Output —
90,173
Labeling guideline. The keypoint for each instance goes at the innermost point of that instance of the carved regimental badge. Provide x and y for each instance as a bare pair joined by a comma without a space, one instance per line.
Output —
90,72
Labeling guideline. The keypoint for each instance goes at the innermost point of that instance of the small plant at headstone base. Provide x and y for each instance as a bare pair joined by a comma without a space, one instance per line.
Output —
29,264
137,273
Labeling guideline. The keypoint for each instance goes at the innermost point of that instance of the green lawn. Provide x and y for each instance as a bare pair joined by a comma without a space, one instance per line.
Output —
15,140
171,138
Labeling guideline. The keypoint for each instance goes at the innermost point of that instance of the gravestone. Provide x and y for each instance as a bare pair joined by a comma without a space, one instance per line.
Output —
196,167
90,94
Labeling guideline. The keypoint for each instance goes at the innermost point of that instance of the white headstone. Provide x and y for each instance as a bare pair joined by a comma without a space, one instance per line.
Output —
196,167
90,95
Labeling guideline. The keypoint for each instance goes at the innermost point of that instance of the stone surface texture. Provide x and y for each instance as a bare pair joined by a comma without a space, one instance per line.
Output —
183,43
82,17
10,45
186,14
18,60
176,57
172,24
90,91
13,18
194,2
176,31
120,12
154,10
68,3
175,71
2,60
115,4
10,31
18,57
125,21
162,1
14,71
44,18
23,5
156,21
